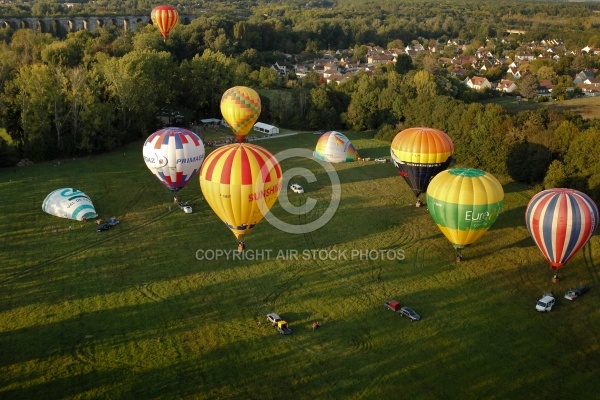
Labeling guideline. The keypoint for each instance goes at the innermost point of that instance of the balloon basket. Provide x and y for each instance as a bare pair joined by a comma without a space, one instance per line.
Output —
555,278
459,258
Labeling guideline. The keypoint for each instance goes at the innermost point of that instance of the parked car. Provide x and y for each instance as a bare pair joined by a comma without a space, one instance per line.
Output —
545,303
319,132
185,207
113,221
297,188
381,160
572,294
103,227
409,313
273,318
282,326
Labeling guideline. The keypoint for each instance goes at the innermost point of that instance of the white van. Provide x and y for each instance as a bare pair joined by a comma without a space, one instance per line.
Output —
545,303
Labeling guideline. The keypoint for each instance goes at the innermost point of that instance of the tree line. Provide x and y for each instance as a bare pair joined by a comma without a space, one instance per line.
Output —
292,26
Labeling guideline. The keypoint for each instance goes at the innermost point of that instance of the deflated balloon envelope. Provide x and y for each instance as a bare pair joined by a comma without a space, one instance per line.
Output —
69,203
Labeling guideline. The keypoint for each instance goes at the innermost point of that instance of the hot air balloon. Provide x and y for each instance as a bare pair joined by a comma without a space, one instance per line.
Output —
240,182
69,203
419,154
561,221
240,107
173,155
165,17
464,203
335,147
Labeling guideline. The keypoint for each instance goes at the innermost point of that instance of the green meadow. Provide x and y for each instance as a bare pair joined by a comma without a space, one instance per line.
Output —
147,310
587,107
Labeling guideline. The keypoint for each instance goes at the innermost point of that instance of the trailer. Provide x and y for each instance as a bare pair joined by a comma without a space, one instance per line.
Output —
392,305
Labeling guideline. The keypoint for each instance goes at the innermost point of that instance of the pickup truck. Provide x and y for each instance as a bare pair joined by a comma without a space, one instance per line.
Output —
280,324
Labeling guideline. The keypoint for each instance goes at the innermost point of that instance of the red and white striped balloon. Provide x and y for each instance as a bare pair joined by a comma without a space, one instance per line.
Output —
561,221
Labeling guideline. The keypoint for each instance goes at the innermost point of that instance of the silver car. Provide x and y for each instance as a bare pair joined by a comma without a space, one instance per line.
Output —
297,188
409,313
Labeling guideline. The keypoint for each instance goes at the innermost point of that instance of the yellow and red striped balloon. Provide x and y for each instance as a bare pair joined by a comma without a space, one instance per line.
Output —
240,106
165,17
240,182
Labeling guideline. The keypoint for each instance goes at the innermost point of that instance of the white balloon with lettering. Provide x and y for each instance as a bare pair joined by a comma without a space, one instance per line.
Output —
173,155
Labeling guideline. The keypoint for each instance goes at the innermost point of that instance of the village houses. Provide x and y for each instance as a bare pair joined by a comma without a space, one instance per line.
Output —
470,68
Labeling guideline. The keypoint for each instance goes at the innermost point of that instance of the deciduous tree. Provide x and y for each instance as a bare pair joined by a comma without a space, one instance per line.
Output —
403,64
528,86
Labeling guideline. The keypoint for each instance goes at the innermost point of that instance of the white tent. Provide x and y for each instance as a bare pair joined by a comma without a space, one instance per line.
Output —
266,128
210,121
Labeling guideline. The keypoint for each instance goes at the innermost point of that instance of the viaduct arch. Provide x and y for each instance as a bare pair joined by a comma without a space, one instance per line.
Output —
73,24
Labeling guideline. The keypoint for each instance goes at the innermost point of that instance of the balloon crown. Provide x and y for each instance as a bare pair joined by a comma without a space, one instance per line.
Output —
466,172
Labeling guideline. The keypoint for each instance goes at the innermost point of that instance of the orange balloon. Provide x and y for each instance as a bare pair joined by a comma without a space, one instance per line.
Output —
165,17
420,154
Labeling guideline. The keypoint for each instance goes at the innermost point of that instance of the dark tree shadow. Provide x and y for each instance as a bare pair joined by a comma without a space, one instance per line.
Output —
528,162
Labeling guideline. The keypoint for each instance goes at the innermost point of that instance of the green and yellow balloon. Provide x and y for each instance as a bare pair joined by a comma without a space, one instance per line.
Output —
464,203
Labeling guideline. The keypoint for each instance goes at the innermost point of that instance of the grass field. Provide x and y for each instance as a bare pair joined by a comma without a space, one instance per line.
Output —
587,107
131,313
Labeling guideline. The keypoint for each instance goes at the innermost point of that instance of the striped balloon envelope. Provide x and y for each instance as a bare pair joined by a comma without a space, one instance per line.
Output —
335,147
165,18
240,106
173,155
464,203
240,182
561,221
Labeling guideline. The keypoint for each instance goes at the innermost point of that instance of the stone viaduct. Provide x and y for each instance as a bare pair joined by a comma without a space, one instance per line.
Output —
73,24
